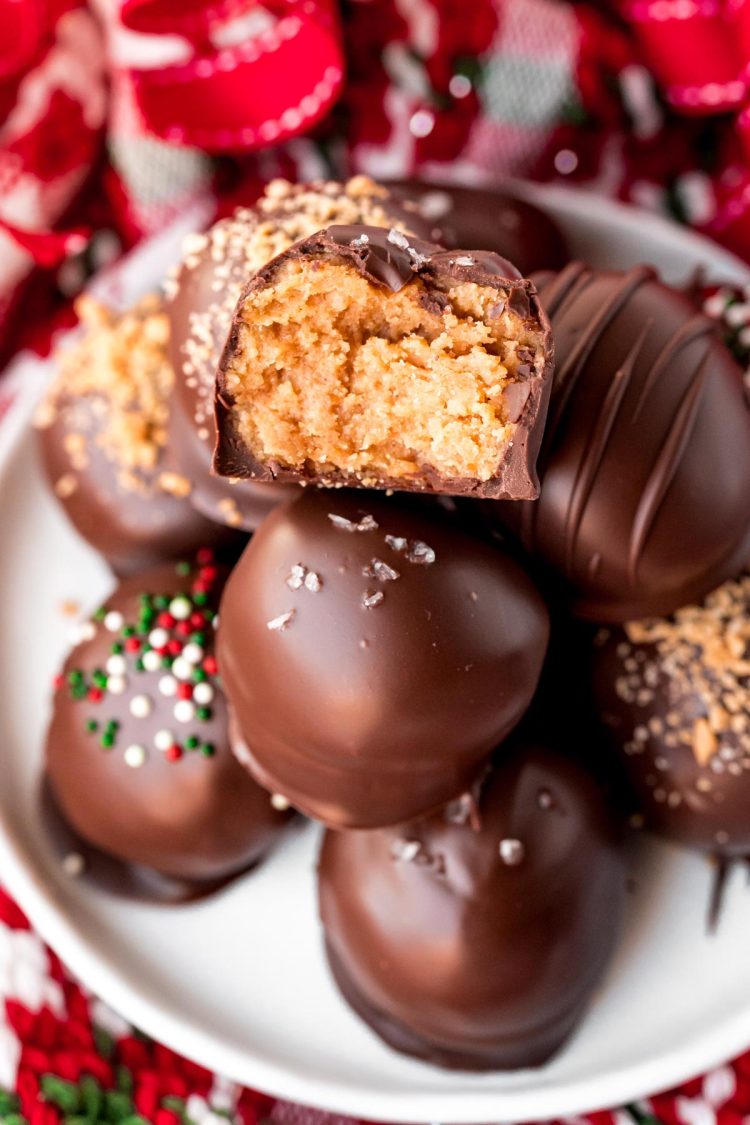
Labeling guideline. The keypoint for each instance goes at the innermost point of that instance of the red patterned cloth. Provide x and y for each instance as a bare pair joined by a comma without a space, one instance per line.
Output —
118,114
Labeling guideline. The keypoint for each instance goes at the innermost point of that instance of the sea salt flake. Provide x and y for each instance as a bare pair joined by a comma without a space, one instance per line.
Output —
420,553
397,542
511,852
367,523
361,240
296,577
376,568
278,624
313,582
396,238
407,850
463,260
372,598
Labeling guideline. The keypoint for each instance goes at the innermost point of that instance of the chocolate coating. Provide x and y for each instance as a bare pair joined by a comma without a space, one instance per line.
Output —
375,654
392,263
122,496
486,219
474,939
645,461
674,694
188,811
201,299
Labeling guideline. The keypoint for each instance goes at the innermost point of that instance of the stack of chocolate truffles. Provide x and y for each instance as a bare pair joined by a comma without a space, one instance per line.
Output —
446,556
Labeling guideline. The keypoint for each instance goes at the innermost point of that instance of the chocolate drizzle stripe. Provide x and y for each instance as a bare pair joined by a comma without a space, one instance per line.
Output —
596,448
663,471
691,331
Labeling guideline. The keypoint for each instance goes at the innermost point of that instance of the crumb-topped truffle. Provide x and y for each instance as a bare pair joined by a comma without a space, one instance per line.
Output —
474,939
103,437
201,298
362,356
375,654
675,694
138,749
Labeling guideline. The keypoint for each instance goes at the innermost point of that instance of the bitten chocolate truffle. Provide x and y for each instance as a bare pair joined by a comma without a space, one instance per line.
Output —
375,655
138,754
644,504
474,939
201,299
365,357
102,432
674,693
486,219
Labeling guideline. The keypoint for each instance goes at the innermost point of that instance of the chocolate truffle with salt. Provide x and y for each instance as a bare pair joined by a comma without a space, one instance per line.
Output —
102,432
138,751
375,654
364,357
674,694
201,299
474,939
645,463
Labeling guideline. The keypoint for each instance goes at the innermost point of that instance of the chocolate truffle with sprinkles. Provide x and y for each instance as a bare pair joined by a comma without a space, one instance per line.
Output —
201,298
138,756
102,432
674,692
645,461
375,654
473,940
365,357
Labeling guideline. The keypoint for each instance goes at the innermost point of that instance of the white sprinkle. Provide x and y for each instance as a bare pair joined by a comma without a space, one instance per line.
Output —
184,711
511,852
463,260
408,850
396,238
193,653
419,553
397,542
203,694
163,739
370,599
116,685
116,665
85,631
114,621
180,607
361,240
376,568
278,624
279,802
313,582
182,668
73,865
168,685
141,706
296,576
151,661
157,638
135,756
367,523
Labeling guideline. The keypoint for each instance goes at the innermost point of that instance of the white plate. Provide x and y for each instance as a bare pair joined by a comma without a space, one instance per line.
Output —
238,982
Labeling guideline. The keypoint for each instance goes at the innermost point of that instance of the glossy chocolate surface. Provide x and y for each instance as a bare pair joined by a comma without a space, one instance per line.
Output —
645,460
389,260
138,755
674,694
375,654
474,939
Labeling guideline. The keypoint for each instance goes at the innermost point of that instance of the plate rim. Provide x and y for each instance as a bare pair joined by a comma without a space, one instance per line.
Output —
575,1096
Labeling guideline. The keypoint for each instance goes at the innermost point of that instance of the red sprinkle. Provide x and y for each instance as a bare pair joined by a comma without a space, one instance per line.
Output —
95,694
205,555
184,628
184,691
174,753
208,573
132,644
58,682
166,620
210,666
174,648
197,620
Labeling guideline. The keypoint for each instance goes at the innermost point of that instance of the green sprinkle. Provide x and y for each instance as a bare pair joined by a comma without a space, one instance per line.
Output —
100,614
92,726
161,601
117,649
128,631
200,598
75,677
139,665
200,675
199,638
107,740
183,568
79,691
208,749
166,661
191,743
99,677
203,713
113,724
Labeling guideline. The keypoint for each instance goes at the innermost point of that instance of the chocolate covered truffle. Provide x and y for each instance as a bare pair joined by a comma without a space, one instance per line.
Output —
138,755
674,693
474,939
375,654
201,299
645,463
486,219
102,433
365,357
